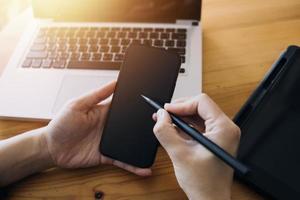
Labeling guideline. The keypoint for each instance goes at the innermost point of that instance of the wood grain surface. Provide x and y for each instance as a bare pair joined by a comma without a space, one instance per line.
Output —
241,39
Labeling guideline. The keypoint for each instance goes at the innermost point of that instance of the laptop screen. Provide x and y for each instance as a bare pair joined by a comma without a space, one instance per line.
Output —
118,10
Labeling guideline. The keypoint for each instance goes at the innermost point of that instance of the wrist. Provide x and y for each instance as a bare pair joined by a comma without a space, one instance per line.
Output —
215,195
29,153
43,155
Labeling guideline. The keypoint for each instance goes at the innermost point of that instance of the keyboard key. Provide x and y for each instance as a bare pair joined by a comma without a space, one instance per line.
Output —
180,51
96,56
52,55
37,54
84,28
80,34
100,34
93,48
94,65
158,43
62,47
70,34
40,40
124,48
182,59
105,29
115,49
60,33
179,36
136,41
115,29
153,35
107,57
27,63
111,34
36,63
62,41
85,56
52,40
93,28
122,35
58,64
169,43
64,56
136,29
148,29
181,43
82,41
93,41
164,35
73,40
119,57
170,30
73,47
104,49
75,56
159,30
147,42
126,29
83,48
132,35
103,41
51,47
181,30
38,47
90,34
143,35
125,42
114,41
46,63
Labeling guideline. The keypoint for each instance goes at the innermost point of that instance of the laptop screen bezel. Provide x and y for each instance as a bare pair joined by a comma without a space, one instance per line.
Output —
63,11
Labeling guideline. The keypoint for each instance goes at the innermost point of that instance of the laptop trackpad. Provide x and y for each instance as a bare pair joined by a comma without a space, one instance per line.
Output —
74,86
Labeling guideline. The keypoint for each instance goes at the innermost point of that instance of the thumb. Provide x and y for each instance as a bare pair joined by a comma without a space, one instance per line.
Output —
91,99
165,132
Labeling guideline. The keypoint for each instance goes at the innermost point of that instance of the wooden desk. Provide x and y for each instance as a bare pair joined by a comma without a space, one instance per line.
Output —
241,41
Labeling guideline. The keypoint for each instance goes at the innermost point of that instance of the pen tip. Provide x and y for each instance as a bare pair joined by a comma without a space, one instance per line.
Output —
144,97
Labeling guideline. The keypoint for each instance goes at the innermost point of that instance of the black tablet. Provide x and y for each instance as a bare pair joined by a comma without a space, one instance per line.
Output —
270,124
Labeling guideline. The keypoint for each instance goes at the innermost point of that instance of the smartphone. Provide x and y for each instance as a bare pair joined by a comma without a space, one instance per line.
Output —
128,132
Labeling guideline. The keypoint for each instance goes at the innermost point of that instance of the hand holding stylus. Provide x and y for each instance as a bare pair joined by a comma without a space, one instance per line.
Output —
200,173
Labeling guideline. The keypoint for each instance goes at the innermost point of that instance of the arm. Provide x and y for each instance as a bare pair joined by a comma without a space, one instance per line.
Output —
199,173
71,140
23,155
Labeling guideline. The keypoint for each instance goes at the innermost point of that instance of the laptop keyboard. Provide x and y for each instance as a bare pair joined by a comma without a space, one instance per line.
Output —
98,48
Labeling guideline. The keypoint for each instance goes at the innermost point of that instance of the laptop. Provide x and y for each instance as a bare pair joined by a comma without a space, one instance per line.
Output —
74,46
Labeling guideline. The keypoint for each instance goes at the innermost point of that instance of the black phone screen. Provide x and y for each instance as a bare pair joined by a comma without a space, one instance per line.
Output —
128,132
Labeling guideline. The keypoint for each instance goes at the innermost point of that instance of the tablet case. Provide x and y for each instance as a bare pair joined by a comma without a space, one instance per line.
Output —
270,125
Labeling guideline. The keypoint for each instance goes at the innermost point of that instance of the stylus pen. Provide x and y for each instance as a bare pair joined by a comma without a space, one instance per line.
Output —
239,167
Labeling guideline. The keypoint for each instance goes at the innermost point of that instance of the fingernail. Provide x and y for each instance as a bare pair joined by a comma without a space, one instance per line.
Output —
166,105
160,113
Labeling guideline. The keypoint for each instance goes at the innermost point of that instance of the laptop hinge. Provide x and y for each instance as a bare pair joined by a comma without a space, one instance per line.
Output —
187,22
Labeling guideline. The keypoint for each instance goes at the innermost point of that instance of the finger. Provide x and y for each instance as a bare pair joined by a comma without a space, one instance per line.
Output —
104,106
180,100
91,99
183,108
132,169
165,132
202,105
154,116
207,108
